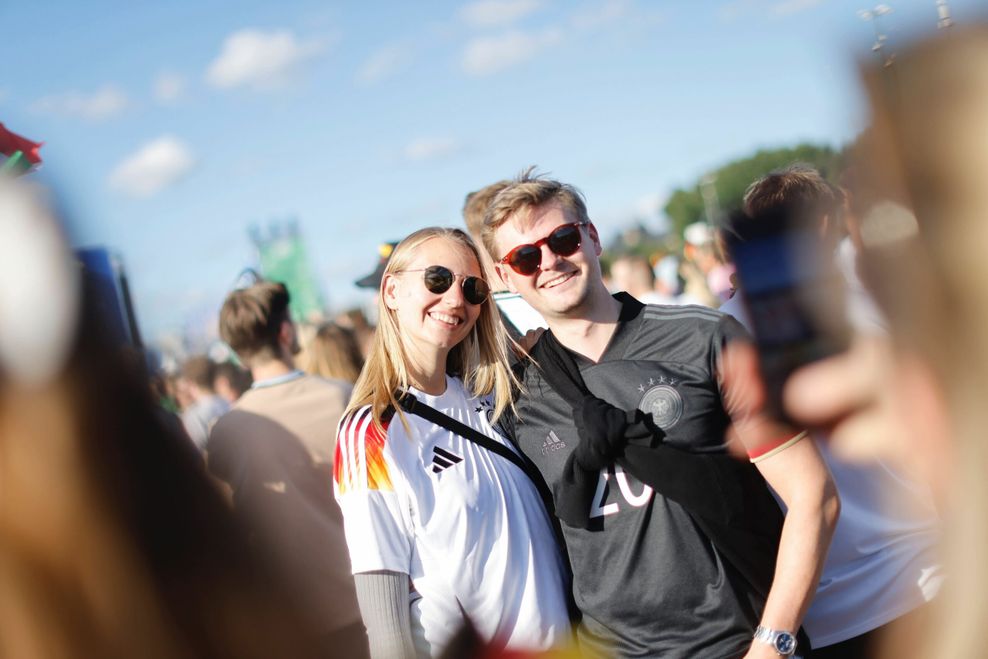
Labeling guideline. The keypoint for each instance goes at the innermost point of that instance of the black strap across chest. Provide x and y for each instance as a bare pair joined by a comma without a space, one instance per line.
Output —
414,406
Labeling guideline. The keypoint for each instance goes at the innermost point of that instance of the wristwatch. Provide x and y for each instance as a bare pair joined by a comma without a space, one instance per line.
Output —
782,641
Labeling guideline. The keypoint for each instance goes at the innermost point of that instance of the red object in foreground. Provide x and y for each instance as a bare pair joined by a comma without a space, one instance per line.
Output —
10,143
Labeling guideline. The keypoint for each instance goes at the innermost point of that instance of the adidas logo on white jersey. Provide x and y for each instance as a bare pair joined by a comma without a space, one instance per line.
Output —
552,443
443,459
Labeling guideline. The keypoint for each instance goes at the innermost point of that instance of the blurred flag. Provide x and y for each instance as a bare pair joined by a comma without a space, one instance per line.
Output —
11,143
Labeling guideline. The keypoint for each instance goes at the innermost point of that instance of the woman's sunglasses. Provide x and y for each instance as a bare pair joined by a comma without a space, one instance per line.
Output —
438,280
564,241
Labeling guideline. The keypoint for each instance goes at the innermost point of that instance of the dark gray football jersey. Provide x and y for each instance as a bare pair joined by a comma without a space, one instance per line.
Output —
648,582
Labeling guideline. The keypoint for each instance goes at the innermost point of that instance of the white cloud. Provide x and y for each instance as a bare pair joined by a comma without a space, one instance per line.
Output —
154,167
793,6
487,55
595,16
496,13
106,102
731,11
430,148
384,63
169,87
261,60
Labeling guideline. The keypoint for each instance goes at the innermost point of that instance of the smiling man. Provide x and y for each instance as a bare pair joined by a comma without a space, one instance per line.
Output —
656,572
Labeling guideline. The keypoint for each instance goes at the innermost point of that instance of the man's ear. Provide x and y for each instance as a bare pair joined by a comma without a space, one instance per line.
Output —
389,289
286,333
502,272
595,237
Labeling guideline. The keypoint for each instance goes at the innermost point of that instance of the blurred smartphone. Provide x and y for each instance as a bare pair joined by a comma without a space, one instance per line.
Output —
793,293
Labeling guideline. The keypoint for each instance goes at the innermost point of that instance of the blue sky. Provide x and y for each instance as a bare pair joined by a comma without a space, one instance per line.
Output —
170,128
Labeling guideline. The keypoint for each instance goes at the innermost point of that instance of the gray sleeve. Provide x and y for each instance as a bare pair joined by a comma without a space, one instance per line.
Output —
728,329
384,607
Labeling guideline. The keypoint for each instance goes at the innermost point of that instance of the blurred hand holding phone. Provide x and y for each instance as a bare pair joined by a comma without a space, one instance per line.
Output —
791,289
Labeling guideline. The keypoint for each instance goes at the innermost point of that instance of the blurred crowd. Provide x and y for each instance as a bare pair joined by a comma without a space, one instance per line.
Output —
542,448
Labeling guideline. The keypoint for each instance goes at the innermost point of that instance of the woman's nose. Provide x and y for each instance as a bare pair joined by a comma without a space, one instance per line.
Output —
454,294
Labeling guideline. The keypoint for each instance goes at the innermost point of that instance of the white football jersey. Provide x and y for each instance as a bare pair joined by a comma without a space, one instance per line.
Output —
465,524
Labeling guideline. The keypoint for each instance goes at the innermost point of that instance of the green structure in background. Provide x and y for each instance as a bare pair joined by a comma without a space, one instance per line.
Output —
16,164
282,257
21,153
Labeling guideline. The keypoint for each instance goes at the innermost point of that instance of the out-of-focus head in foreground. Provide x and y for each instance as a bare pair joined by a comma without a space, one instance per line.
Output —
924,199
113,543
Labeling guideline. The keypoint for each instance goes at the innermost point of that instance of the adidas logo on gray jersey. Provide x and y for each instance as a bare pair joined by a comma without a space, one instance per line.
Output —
552,443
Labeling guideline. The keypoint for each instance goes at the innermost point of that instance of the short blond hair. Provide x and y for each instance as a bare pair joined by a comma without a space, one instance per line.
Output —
528,191
476,204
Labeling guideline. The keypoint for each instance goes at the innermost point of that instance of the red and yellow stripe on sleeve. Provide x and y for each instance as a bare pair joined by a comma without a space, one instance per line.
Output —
359,463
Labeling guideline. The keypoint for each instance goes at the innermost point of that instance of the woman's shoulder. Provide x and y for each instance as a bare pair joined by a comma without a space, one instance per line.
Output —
360,462
357,425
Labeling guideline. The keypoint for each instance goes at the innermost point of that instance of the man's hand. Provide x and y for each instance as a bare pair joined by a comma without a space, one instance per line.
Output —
876,403
530,339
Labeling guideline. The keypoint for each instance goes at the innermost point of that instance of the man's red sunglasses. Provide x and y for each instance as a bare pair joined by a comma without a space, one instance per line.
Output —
564,241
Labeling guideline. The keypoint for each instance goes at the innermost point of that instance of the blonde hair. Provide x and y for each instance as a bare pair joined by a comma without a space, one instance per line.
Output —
929,148
480,360
332,352
527,191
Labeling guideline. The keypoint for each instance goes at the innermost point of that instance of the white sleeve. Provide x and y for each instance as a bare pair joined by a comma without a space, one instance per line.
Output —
369,489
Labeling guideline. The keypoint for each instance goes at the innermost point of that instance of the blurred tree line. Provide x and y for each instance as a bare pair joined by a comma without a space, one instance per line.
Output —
724,188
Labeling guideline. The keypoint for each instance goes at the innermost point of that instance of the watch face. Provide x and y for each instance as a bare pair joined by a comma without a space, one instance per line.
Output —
785,643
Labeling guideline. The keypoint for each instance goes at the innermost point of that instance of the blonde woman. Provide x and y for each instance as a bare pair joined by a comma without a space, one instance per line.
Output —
440,529
333,353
